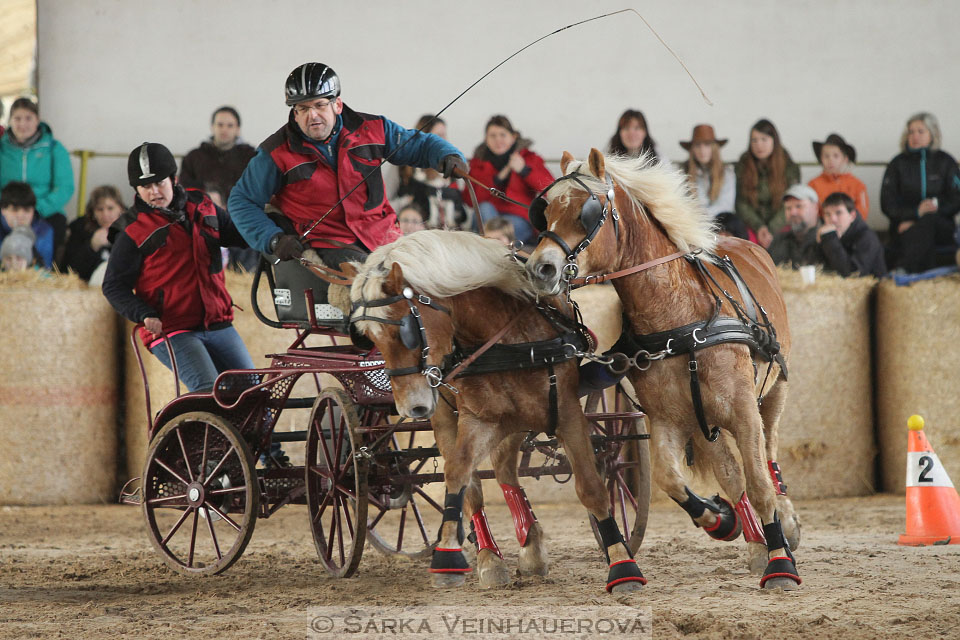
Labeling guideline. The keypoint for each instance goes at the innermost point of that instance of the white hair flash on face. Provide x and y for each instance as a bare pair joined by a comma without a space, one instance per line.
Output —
145,162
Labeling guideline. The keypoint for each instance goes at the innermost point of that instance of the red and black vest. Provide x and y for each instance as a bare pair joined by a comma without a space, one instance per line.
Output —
182,271
310,186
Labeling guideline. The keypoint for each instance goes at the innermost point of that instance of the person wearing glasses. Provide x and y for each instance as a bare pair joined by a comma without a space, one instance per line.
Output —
324,151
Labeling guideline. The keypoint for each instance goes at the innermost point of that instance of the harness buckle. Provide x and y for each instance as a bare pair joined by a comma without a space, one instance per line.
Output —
693,366
422,299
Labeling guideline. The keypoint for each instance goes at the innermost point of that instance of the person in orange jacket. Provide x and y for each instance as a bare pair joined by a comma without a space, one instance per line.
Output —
836,156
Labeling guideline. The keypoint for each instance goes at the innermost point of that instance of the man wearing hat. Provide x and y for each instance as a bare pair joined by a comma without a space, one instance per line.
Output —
323,151
166,271
836,156
798,245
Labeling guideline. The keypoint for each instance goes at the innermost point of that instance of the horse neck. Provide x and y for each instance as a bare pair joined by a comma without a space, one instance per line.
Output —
479,314
664,296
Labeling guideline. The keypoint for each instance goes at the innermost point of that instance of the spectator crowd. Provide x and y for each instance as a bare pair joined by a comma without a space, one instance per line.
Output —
759,197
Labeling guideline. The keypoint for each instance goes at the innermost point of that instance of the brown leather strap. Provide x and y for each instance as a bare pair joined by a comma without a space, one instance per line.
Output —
489,343
327,273
626,272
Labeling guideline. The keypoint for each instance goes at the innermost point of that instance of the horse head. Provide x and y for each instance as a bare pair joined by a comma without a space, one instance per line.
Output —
411,331
579,225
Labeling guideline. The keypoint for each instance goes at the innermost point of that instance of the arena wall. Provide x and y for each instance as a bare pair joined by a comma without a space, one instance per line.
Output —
114,73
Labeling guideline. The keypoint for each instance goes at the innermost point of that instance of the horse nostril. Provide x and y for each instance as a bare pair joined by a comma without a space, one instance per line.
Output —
546,271
419,411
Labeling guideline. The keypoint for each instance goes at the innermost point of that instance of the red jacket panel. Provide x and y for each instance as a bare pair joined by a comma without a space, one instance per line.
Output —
310,185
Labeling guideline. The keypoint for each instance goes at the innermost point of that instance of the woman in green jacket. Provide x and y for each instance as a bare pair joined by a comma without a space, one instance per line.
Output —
29,153
764,173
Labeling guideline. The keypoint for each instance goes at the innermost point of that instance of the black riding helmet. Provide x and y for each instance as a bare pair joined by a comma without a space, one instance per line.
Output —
310,81
150,162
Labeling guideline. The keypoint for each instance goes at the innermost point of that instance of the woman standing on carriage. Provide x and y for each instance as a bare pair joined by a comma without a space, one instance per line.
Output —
764,173
166,271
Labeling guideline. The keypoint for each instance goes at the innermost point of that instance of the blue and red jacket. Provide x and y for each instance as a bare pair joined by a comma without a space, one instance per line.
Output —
167,264
304,178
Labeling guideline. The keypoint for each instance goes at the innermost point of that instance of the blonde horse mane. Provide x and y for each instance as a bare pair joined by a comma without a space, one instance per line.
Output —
439,264
656,190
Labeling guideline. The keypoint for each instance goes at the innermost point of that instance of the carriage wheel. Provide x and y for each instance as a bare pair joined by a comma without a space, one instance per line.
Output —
626,474
200,493
336,479
403,520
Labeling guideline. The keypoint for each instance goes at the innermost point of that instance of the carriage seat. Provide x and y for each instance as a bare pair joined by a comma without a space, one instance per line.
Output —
289,282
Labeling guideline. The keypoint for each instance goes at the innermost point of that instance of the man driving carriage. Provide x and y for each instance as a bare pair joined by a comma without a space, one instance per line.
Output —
323,151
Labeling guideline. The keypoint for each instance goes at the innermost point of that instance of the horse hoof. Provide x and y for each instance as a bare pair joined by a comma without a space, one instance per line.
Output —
626,587
787,584
494,577
533,568
791,530
756,557
448,580
728,526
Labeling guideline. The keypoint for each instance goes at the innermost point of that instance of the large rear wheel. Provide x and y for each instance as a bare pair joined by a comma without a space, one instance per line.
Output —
201,497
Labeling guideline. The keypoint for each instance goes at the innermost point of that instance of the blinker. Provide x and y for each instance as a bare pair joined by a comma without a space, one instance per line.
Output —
410,331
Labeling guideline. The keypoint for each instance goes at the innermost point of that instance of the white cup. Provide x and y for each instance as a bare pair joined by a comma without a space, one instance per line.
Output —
808,274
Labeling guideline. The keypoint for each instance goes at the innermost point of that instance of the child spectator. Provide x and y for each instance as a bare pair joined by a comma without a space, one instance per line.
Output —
632,137
500,229
16,250
848,244
796,246
17,206
29,153
836,156
410,219
764,173
504,160
920,195
435,195
88,247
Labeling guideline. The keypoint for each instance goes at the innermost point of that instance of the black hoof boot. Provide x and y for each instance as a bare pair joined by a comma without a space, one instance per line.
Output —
781,571
625,576
450,565
727,527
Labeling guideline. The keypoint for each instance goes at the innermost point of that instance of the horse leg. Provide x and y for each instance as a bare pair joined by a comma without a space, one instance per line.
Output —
533,549
473,439
770,411
781,569
624,574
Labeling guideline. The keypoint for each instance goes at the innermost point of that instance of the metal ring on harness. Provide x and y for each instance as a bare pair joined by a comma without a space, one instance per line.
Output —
626,363
636,359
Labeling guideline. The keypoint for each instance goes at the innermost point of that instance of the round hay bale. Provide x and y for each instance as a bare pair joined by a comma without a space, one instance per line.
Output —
58,398
826,432
918,347
260,340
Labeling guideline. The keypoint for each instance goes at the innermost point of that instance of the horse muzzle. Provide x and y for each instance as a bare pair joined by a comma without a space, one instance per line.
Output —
545,269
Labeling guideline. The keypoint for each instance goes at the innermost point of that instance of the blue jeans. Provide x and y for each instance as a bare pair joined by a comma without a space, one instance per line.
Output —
522,228
202,355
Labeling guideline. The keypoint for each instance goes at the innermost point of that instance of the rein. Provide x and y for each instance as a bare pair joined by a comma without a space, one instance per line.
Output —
626,272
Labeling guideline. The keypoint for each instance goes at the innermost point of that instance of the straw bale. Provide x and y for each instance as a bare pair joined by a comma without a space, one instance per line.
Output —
826,432
58,398
260,341
918,348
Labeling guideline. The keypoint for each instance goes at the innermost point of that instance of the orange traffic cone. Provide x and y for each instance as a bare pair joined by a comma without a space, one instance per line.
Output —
933,506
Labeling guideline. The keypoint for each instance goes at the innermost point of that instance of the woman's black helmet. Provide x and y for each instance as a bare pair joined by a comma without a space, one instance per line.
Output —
310,81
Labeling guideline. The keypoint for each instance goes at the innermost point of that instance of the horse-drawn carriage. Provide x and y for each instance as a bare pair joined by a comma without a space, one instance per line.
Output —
366,469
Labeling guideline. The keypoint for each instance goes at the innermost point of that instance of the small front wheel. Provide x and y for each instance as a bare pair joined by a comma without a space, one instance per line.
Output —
336,479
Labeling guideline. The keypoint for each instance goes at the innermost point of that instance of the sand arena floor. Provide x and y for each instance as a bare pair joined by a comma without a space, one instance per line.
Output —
90,572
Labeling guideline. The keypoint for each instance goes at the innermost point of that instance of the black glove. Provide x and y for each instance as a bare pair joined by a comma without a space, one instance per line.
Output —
451,162
286,247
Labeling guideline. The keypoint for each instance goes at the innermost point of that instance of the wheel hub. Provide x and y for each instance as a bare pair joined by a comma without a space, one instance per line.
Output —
195,494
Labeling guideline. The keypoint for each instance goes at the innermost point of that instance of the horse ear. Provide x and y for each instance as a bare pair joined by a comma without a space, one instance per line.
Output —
393,284
596,163
565,161
349,268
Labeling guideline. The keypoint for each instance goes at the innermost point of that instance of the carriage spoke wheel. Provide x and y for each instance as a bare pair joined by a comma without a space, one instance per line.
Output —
336,479
403,519
625,469
200,493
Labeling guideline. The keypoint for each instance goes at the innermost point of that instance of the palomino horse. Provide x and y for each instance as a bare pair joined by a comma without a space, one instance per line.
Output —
653,224
413,298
